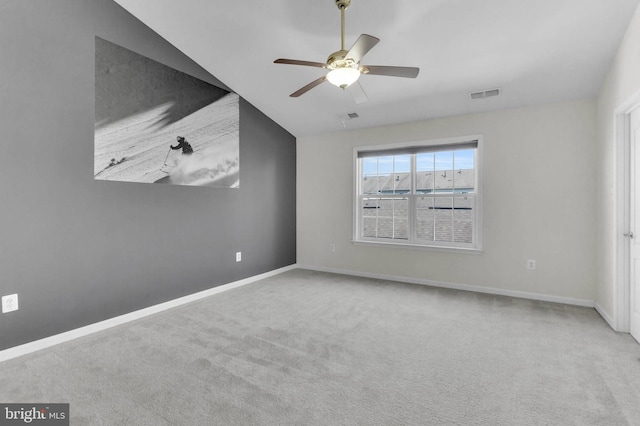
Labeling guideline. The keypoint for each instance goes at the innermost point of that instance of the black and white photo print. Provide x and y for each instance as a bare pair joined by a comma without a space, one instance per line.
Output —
156,124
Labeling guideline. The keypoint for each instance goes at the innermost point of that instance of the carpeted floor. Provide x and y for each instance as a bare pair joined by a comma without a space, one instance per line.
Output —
311,348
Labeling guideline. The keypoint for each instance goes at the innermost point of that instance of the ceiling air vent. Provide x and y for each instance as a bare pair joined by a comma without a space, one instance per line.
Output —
348,117
484,94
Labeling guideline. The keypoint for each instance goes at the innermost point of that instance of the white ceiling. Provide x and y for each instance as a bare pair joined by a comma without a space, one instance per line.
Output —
535,51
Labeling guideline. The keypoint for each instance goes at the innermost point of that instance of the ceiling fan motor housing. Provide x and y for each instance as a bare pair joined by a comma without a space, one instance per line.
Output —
343,4
338,59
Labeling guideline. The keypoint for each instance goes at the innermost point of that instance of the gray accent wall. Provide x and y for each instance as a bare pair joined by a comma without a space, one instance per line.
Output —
78,251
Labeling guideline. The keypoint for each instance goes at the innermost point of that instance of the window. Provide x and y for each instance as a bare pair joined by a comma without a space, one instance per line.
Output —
423,194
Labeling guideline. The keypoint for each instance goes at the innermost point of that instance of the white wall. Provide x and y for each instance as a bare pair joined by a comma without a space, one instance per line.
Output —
621,85
538,202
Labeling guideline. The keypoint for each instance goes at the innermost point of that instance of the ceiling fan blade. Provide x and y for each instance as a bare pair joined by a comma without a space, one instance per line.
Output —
296,62
363,44
308,87
357,93
407,72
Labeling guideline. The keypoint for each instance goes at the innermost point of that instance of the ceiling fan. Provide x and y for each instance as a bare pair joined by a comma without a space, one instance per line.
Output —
344,65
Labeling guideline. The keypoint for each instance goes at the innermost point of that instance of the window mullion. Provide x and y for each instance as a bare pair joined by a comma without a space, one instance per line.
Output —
413,214
378,209
433,191
394,203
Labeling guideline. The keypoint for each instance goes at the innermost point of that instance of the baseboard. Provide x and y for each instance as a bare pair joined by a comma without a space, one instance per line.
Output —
455,286
605,315
47,342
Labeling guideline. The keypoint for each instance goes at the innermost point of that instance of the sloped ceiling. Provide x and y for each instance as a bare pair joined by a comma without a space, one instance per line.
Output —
535,51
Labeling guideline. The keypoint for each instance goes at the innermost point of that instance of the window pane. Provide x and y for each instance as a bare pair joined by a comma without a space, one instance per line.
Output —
463,219
401,219
369,225
370,182
369,217
370,185
464,159
443,207
444,171
464,176
385,171
402,174
385,165
425,216
369,207
385,218
369,166
424,173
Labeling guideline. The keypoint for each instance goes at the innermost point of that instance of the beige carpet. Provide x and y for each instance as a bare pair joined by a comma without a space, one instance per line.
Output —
310,348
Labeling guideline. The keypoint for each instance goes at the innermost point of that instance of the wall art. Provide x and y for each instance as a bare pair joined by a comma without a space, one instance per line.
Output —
156,124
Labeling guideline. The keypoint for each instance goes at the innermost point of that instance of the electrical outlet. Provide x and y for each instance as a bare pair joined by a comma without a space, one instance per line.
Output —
238,256
531,264
9,303
332,247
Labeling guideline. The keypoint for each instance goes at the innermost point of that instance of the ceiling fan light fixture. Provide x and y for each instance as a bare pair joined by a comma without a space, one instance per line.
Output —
343,77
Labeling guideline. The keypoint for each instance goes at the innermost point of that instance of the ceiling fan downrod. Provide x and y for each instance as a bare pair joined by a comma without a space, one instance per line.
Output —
342,5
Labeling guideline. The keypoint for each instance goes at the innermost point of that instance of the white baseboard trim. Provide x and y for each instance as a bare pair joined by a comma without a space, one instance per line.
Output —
455,286
605,315
47,342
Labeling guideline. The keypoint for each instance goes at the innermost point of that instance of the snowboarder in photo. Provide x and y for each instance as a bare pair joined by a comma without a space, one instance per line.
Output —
182,143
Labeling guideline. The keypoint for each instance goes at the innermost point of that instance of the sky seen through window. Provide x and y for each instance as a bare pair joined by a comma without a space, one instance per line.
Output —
425,162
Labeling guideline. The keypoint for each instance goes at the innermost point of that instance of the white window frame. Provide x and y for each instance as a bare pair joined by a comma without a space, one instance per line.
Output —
412,241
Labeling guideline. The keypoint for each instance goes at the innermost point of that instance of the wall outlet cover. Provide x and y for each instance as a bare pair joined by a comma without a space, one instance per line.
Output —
9,303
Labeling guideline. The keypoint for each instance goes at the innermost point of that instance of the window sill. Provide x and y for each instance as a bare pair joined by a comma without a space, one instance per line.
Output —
419,247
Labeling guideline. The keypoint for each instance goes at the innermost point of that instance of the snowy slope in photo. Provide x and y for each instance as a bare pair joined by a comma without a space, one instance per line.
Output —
137,148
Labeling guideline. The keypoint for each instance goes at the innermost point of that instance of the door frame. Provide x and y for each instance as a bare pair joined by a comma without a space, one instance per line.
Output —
622,282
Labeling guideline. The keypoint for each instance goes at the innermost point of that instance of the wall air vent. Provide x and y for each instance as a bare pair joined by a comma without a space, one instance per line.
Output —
352,115
484,94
